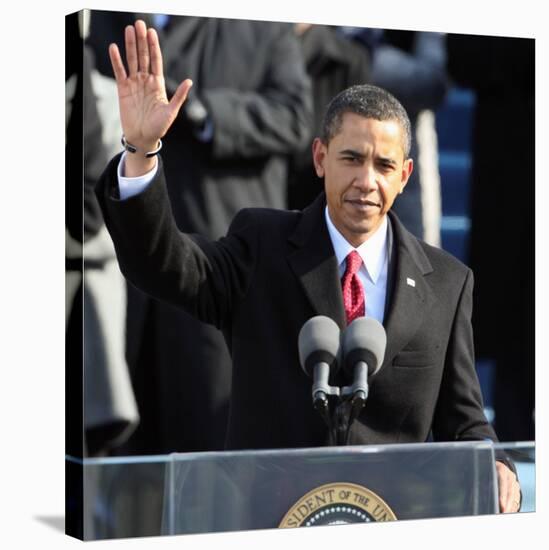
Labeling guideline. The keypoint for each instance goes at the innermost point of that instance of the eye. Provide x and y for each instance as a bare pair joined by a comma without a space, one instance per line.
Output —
350,159
386,167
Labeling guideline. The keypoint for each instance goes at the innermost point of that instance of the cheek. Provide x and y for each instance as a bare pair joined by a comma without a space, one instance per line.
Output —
334,182
388,191
330,190
384,189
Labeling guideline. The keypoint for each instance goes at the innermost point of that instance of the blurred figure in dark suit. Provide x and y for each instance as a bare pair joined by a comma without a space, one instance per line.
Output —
412,66
501,71
249,110
95,289
333,63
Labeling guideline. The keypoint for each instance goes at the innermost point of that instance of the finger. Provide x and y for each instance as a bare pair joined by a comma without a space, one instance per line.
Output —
503,486
505,501
512,502
518,502
515,495
180,96
142,46
117,65
131,50
155,52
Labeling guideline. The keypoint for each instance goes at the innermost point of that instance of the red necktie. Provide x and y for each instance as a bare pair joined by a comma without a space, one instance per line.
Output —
353,293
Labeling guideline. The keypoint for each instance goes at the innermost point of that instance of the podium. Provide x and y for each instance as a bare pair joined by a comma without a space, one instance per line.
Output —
243,490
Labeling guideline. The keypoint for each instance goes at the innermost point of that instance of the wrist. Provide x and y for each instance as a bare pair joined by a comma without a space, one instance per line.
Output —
137,165
140,157
141,148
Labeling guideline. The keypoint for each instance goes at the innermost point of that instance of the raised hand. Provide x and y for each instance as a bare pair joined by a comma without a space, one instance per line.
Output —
145,112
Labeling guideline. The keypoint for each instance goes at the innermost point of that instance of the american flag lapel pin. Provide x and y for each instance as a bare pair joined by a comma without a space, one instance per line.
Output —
410,282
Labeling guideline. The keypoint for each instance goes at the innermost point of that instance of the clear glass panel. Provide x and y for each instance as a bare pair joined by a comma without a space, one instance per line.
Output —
250,490
123,497
212,492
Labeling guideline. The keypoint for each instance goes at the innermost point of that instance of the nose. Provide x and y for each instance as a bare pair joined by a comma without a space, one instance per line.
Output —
365,178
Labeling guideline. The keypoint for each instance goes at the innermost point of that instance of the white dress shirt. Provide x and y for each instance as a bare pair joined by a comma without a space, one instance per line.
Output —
372,272
128,187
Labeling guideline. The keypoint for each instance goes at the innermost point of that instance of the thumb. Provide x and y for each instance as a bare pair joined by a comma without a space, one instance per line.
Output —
180,96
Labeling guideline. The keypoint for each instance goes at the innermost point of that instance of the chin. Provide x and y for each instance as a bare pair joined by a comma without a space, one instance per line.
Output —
358,233
364,227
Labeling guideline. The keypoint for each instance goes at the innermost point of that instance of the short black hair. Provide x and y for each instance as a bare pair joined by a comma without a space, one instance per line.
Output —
370,102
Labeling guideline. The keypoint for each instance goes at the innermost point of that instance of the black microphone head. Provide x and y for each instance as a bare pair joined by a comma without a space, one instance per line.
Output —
364,340
318,342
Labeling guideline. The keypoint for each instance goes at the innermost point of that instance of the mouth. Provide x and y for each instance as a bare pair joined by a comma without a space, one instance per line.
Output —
363,204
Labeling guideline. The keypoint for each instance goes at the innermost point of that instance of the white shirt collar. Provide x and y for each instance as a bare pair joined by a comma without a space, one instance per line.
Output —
373,251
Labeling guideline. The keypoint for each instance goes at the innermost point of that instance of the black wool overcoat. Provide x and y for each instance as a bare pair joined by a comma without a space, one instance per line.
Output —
273,271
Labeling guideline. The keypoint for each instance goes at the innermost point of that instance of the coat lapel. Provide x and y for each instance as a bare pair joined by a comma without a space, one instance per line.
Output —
315,265
411,296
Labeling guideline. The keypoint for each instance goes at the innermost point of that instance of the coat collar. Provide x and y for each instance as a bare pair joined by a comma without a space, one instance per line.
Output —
408,292
315,265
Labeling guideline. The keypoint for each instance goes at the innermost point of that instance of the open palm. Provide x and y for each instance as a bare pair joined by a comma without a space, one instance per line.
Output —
145,112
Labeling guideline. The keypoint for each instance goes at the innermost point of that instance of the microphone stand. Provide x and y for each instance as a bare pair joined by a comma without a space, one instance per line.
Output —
346,404
323,407
345,413
341,424
357,395
321,402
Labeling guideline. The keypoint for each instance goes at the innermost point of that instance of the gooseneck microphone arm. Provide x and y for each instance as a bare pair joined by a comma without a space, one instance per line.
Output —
359,389
321,388
321,391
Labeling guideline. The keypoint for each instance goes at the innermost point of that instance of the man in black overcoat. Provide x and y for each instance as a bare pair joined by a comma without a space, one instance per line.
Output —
276,269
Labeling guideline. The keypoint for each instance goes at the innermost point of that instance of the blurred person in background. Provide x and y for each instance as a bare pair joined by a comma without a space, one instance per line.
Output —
501,72
333,63
95,288
228,149
412,66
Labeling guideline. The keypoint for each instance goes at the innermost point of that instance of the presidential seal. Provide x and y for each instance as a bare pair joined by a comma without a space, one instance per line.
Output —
337,504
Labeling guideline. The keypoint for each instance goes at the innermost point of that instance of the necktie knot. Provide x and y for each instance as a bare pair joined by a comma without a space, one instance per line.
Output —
354,261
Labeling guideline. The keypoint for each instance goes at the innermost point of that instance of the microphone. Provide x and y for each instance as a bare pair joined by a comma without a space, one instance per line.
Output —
318,344
363,345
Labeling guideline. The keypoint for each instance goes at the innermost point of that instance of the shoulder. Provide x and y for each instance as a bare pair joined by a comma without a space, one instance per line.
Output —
441,259
428,257
449,276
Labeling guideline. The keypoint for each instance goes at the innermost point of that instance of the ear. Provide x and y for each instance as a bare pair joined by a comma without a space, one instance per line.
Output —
407,169
319,154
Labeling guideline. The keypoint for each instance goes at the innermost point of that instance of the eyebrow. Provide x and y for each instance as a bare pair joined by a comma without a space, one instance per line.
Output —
351,153
361,156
